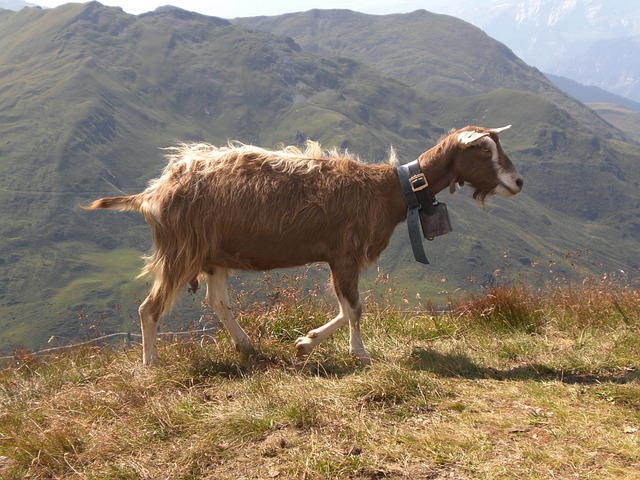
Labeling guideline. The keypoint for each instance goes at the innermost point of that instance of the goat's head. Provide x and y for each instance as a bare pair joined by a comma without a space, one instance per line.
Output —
481,162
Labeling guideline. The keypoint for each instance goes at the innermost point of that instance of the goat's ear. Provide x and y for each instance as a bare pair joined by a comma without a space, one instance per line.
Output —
470,136
500,130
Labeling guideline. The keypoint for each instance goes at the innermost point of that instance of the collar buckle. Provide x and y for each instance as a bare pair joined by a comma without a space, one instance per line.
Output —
418,182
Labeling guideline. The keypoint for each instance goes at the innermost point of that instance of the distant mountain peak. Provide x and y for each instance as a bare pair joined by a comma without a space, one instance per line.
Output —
15,5
561,37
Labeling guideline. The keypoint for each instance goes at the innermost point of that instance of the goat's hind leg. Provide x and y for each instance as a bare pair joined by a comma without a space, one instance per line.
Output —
149,314
160,297
218,300
163,293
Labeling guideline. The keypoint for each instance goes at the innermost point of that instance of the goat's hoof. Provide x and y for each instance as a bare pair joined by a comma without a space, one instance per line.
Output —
304,346
361,358
247,350
150,360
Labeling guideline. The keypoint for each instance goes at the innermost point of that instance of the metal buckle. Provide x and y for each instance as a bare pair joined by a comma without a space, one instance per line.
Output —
417,178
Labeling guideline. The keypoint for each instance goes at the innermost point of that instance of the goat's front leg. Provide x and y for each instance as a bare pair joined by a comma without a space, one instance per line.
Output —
315,337
356,347
345,284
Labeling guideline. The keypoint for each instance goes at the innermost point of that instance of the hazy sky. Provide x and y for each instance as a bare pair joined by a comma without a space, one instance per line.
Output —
250,8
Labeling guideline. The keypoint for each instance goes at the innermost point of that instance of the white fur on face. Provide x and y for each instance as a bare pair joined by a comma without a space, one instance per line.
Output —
507,185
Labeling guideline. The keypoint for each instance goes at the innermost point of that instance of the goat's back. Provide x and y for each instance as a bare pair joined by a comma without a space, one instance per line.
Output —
248,208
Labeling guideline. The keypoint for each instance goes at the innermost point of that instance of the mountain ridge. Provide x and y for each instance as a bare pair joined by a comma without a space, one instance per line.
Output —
591,93
411,48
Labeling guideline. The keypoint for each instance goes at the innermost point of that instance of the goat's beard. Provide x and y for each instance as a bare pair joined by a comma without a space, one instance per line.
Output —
480,194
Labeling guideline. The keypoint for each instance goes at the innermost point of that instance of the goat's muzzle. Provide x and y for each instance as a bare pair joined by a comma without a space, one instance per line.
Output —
509,185
519,182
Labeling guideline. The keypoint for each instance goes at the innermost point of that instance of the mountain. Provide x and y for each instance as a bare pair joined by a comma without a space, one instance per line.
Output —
621,112
593,42
419,48
546,33
89,94
436,54
14,4
611,64
621,117
591,94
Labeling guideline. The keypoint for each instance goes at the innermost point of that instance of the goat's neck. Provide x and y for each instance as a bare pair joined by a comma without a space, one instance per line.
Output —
437,165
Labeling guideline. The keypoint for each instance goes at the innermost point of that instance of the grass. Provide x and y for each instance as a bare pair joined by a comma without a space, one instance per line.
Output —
509,383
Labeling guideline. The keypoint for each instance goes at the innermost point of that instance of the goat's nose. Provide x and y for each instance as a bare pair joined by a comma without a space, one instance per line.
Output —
520,182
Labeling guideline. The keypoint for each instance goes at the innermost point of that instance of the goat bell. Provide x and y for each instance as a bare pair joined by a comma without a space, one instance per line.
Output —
435,222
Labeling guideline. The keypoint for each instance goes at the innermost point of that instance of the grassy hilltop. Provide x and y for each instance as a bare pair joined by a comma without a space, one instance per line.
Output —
510,383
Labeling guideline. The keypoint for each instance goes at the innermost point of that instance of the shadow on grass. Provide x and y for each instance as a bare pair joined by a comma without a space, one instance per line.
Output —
204,366
459,365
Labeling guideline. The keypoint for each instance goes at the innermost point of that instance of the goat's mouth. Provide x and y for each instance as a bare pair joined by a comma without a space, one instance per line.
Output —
502,189
507,190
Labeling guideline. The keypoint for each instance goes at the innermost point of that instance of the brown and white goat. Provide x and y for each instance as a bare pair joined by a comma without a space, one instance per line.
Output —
245,208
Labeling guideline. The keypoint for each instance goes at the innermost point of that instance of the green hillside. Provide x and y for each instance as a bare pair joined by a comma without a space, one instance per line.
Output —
621,117
89,94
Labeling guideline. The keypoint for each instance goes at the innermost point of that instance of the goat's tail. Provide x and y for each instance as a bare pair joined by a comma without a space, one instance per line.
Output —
124,203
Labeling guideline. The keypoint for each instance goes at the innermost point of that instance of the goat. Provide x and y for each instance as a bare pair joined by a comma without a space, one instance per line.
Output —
242,207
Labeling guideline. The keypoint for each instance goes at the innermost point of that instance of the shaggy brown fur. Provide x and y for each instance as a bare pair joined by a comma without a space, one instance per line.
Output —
245,208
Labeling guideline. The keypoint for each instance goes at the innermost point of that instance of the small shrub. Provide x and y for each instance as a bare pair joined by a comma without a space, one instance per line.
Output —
504,309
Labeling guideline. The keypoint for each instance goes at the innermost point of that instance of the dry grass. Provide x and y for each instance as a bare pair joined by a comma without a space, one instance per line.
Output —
509,384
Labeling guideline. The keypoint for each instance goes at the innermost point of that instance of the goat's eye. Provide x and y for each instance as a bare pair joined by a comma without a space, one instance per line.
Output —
486,149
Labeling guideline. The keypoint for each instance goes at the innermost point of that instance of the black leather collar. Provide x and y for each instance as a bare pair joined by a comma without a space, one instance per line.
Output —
414,188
